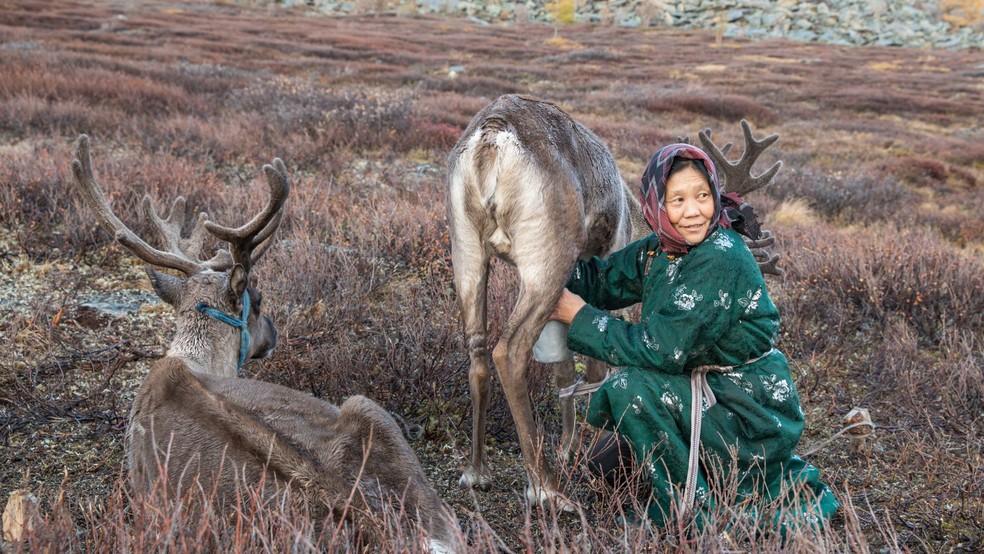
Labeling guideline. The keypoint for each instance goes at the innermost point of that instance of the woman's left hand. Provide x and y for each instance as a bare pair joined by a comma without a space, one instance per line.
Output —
567,307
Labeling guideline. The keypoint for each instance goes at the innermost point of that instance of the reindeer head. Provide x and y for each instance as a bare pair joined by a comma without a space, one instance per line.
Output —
219,322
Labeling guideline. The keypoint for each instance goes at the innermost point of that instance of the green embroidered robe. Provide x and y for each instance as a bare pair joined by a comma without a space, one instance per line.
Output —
708,307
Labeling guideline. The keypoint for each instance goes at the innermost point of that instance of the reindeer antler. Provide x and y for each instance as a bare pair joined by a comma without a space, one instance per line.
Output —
737,177
174,258
246,244
169,230
767,262
250,241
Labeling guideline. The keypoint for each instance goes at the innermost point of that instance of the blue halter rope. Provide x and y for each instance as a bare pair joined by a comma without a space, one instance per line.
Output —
229,320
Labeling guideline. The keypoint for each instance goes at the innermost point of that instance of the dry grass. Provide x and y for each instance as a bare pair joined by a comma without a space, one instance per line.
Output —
877,211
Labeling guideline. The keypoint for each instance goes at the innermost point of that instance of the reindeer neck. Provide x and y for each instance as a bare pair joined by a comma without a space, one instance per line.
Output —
637,221
194,345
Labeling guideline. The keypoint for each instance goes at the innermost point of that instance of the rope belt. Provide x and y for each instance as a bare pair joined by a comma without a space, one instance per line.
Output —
230,320
699,390
580,387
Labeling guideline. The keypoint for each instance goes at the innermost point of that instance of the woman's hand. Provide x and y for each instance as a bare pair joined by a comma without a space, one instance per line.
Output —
567,307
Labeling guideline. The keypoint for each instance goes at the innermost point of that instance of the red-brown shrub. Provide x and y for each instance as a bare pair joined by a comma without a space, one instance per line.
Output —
449,108
486,87
956,222
725,107
34,75
879,100
848,198
850,280
433,136
919,171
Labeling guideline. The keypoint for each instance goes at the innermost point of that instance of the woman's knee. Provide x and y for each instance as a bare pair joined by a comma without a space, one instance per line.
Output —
610,458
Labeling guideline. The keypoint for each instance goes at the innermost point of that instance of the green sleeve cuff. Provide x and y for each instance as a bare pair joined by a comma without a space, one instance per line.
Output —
587,332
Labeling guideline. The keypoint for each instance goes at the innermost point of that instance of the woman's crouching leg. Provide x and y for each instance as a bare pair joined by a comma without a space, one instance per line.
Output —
610,458
648,415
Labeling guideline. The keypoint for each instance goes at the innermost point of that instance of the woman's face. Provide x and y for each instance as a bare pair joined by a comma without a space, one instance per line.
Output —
689,204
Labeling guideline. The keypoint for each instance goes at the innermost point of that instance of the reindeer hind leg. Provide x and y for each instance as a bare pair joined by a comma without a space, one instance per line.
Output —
540,286
471,281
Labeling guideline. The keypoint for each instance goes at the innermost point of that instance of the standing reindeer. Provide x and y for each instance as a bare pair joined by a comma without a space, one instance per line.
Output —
532,186
194,423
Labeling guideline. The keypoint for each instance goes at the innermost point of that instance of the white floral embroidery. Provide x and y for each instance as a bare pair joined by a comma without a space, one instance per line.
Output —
723,242
778,388
600,321
671,269
723,301
677,354
672,401
700,495
778,423
636,407
751,300
649,341
686,300
738,379
620,381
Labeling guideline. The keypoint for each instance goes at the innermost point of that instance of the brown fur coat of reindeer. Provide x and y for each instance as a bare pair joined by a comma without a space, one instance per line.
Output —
196,427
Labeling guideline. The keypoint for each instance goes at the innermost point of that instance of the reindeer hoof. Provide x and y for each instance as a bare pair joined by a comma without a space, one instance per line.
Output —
439,547
475,478
542,496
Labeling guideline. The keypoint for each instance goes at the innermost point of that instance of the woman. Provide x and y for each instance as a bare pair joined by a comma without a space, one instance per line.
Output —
706,339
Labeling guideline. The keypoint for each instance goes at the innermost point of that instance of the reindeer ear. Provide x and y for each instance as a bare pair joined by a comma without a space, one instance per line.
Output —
167,287
238,281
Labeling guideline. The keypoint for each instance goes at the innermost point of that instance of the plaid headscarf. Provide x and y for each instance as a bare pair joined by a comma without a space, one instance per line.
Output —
654,196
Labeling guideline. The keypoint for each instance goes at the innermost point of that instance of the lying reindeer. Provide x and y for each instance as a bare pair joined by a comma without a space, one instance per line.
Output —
532,186
195,423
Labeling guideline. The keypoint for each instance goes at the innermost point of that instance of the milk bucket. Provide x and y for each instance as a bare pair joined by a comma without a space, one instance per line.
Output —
552,345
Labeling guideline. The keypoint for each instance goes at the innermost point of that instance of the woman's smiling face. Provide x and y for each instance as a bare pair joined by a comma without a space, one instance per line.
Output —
689,204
